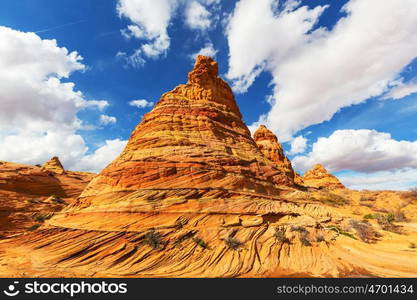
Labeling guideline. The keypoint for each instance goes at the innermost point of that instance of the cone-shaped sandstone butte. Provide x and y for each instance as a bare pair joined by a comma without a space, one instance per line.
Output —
268,143
54,165
191,195
319,177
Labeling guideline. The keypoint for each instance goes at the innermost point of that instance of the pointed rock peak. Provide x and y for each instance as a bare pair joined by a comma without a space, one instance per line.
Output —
263,133
205,70
319,168
319,177
268,143
194,138
54,165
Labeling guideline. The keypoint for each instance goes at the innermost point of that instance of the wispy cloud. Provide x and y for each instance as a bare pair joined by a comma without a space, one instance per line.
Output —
60,26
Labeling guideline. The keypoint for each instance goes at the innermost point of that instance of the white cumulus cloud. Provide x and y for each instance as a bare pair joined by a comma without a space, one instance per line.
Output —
360,150
207,50
38,115
141,103
318,71
384,180
152,19
298,145
101,157
402,90
197,16
106,120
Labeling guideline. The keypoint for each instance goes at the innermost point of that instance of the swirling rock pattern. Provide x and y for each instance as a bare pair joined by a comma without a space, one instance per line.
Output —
191,195
24,190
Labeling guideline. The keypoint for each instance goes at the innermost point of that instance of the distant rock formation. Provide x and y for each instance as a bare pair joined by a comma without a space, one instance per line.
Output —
268,143
24,190
54,165
319,177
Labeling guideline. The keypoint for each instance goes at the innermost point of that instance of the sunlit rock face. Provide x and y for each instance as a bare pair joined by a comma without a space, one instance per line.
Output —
191,195
319,177
29,193
268,143
54,165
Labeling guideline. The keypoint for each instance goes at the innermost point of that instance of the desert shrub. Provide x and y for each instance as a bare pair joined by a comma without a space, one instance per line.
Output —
303,234
385,221
280,235
233,243
381,218
367,198
411,194
42,217
200,242
367,204
341,231
34,227
320,238
399,216
299,229
412,246
304,240
153,239
333,199
365,231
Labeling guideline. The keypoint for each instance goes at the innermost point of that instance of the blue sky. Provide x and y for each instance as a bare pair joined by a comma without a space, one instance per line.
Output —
330,78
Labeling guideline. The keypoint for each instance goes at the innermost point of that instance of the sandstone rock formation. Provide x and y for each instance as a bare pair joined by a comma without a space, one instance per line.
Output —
268,143
54,165
25,188
298,179
191,195
318,177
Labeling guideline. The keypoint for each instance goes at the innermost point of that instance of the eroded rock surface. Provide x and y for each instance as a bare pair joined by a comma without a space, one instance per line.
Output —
319,177
192,195
268,143
25,190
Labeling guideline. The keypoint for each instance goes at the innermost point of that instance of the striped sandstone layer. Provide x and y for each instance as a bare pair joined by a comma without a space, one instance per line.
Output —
191,195
319,177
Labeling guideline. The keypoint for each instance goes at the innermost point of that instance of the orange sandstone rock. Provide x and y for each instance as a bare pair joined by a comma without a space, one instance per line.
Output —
191,195
268,143
24,190
298,179
319,177
54,165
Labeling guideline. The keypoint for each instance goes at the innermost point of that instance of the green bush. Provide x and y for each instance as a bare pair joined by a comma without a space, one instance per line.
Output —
341,231
200,242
